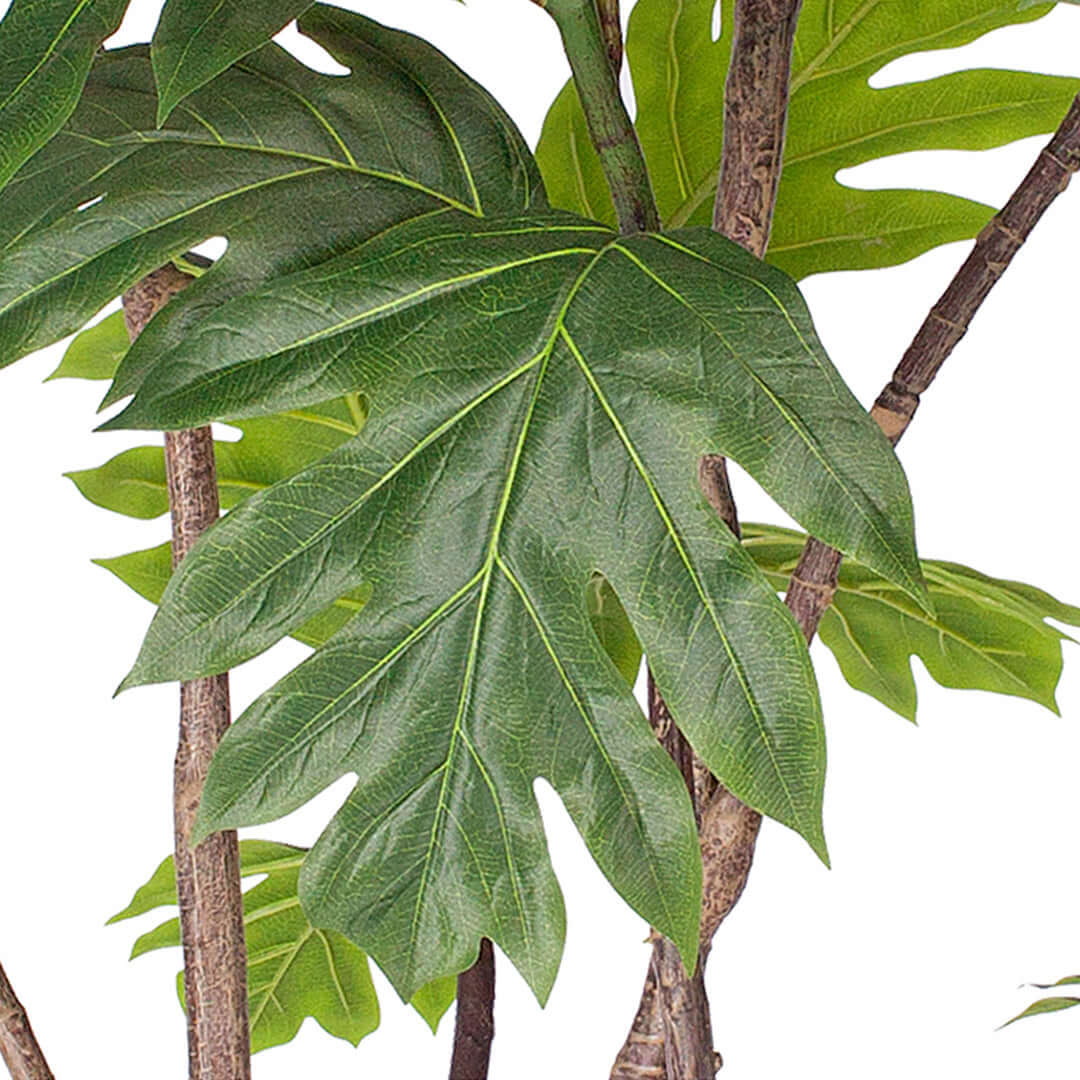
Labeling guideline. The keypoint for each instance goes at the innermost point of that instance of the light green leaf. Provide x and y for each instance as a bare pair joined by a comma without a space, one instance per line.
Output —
986,633
1069,980
294,970
47,48
96,352
198,39
562,439
290,165
836,121
1047,1005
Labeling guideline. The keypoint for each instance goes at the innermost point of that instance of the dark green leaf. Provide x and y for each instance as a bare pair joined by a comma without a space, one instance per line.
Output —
1047,1005
198,39
531,425
290,165
986,634
836,121
1069,980
47,48
294,970
96,352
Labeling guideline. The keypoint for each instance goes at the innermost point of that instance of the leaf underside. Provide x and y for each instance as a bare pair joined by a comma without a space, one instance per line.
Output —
294,970
47,48
985,634
836,121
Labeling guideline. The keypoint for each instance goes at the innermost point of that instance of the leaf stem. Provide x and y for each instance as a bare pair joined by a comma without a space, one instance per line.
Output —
813,584
589,48
208,877
19,1047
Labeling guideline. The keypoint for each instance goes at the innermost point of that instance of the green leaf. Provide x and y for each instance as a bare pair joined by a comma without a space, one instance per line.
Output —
1047,1005
986,633
836,121
1069,980
47,46
270,448
294,970
96,352
290,165
198,39
530,426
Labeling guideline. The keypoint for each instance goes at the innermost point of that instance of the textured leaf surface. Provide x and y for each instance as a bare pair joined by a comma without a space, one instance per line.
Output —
290,165
47,48
986,633
530,426
294,970
198,39
836,121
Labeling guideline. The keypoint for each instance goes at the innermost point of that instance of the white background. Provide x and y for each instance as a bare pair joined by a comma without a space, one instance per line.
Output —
953,843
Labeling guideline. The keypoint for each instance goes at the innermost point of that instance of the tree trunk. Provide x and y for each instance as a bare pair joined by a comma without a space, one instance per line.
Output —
208,878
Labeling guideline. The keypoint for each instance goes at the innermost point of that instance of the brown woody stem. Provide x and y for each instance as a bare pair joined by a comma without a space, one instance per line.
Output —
814,582
611,27
208,878
671,1036
18,1047
474,1026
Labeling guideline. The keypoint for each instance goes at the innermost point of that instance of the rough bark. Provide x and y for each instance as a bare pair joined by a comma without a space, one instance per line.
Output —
18,1047
474,1028
755,120
814,581
208,878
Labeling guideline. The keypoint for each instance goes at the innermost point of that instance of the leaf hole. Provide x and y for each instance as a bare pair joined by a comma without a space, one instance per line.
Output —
717,20
89,202
308,52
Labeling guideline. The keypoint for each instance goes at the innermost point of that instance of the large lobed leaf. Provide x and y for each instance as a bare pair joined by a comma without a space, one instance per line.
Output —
47,47
836,121
985,634
293,969
541,391
290,165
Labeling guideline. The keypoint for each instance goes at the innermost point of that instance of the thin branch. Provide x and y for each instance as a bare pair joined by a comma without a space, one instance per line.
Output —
474,1026
208,878
18,1047
814,581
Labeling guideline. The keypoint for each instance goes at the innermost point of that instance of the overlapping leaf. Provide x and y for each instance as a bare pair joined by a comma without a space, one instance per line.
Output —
836,121
541,393
985,634
290,165
198,39
47,47
294,970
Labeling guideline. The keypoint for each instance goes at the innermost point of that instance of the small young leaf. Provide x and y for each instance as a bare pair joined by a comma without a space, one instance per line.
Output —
198,39
294,970
96,352
1047,1005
